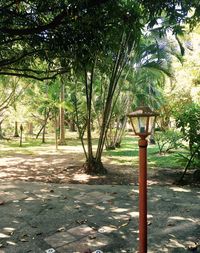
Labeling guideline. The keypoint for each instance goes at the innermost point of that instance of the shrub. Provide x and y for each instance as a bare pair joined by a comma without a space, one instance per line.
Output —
168,140
188,121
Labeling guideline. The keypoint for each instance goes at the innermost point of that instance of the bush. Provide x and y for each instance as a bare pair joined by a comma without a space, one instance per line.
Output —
168,140
188,121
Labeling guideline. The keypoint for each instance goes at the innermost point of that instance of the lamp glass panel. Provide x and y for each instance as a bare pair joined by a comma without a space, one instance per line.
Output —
151,123
140,124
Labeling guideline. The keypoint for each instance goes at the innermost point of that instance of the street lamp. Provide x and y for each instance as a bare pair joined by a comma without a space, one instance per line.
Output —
142,121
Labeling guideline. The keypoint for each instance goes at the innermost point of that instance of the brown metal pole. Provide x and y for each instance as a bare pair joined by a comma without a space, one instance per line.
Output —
142,195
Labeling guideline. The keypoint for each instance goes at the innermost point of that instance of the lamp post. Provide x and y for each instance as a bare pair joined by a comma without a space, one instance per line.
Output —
142,120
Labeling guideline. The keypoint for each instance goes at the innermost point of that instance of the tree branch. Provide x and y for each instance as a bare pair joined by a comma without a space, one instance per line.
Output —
14,59
32,76
39,72
54,23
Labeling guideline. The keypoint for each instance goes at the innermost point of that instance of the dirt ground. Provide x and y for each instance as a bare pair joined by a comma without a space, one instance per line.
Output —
173,220
65,166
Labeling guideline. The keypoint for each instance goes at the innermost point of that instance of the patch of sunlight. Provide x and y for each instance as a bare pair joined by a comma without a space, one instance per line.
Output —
16,221
30,199
3,174
11,243
97,243
154,199
136,215
121,217
179,189
161,249
175,244
136,191
120,159
81,177
150,162
8,230
107,229
2,235
100,207
179,218
118,210
64,187
11,161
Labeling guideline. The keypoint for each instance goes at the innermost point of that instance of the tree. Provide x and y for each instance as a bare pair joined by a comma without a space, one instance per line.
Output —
188,121
95,53
11,90
141,82
62,113
85,36
28,29
43,103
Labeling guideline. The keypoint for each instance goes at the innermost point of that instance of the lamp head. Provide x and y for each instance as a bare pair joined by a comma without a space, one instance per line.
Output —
142,120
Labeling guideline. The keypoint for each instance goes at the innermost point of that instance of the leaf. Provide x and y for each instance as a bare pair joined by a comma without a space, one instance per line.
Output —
23,240
92,237
61,229
2,202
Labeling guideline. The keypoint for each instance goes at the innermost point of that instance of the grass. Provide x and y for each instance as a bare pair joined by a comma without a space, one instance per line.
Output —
128,153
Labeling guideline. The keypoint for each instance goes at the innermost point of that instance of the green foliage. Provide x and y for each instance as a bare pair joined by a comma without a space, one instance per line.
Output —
188,121
61,33
168,140
128,154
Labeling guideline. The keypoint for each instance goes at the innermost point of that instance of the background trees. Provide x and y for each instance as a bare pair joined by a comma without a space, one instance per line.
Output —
108,51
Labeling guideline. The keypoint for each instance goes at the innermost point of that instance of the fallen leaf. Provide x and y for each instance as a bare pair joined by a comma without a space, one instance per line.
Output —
24,240
193,246
61,229
171,224
92,237
81,221
39,233
50,250
2,202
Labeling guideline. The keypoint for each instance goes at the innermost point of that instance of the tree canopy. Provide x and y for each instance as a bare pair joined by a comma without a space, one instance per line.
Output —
59,32
90,41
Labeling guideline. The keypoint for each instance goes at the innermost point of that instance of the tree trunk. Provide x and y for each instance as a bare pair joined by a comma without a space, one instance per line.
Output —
152,139
56,135
62,115
1,132
16,134
120,133
92,165
30,128
72,127
188,164
89,87
43,134
44,125
21,132
108,109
